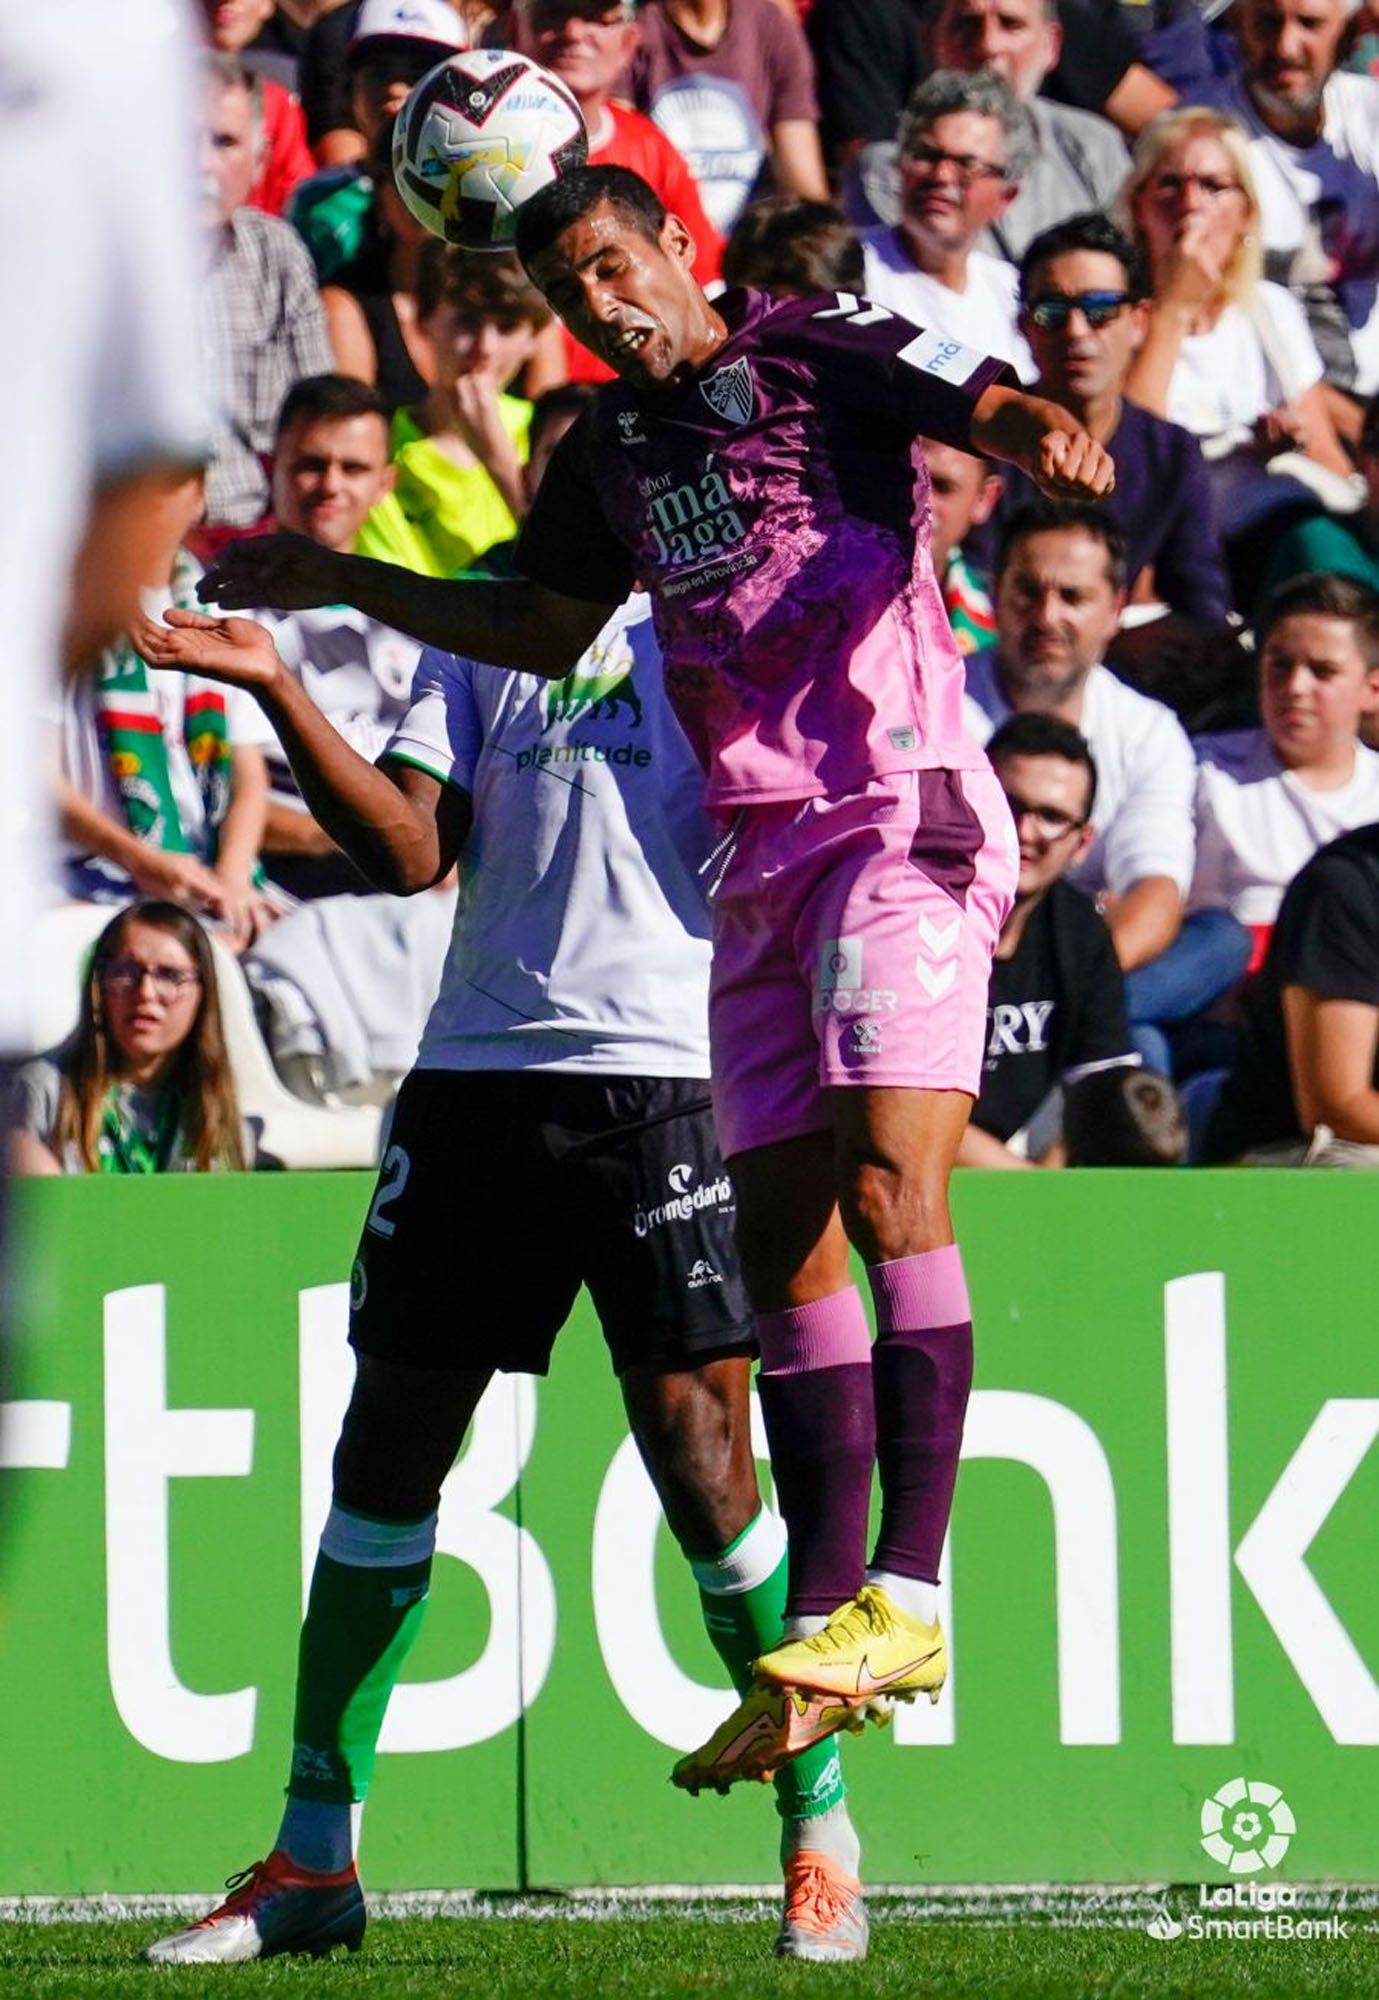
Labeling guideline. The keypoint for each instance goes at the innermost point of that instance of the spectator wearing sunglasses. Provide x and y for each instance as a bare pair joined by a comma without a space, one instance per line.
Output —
1082,310
1056,1007
964,144
144,1084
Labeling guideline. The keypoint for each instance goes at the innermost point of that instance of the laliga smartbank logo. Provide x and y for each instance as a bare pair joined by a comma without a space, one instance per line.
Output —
1247,1828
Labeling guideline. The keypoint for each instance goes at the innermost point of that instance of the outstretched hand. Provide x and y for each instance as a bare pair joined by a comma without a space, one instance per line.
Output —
280,572
235,650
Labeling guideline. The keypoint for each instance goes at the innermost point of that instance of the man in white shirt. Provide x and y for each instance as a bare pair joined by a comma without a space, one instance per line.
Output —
331,467
1315,152
1059,593
1060,589
965,143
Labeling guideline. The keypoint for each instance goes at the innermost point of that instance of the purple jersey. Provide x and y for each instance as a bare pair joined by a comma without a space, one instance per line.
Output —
776,506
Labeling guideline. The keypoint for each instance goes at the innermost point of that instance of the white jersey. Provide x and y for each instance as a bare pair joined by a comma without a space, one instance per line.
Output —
582,934
1145,777
1258,824
98,347
358,672
982,317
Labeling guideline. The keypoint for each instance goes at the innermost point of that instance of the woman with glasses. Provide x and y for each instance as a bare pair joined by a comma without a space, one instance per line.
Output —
144,1084
1226,355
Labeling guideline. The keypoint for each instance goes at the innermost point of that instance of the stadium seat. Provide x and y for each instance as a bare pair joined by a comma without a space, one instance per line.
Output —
290,1133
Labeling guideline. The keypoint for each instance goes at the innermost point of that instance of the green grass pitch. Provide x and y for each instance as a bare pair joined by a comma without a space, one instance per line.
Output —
972,1949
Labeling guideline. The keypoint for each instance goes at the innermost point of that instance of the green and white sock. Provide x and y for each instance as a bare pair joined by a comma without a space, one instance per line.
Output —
742,1591
368,1596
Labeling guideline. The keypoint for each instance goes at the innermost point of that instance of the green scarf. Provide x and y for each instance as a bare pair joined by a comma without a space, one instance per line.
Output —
131,735
123,1148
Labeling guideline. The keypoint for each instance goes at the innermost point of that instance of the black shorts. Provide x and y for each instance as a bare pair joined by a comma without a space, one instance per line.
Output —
502,1192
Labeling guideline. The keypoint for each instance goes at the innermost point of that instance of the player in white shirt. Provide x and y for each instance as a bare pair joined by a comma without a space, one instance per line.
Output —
561,1086
964,142
1268,798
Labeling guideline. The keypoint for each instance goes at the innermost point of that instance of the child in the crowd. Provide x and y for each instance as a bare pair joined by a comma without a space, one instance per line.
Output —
1268,798
459,453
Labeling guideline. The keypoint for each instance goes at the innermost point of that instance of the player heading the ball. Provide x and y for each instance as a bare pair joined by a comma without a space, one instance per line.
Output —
755,464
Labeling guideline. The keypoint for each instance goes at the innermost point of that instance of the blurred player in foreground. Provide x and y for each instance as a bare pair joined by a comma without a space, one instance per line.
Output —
756,466
561,1090
104,415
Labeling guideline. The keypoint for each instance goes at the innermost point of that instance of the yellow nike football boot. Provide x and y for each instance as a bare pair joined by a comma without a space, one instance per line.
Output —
869,1654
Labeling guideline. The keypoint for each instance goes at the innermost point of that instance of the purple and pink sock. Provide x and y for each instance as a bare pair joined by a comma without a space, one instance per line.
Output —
816,1395
922,1377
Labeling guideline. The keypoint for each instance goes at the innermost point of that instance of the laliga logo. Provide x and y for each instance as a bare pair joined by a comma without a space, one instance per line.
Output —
1247,1826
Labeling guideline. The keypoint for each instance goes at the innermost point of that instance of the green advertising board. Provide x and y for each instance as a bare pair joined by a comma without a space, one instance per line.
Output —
1161,1578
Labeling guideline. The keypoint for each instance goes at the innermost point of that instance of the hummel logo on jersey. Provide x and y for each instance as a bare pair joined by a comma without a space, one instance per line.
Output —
936,967
866,1038
629,428
730,392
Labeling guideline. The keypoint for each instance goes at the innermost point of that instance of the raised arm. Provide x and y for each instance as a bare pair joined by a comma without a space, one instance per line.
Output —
401,828
507,622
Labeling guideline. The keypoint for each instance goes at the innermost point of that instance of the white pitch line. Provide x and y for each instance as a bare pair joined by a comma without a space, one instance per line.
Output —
1057,1906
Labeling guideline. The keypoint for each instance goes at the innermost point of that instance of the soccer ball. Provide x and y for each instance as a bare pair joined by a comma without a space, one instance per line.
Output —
478,136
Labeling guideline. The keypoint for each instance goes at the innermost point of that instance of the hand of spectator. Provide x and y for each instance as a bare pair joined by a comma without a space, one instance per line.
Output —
286,572
246,913
478,412
1071,465
178,878
1192,272
479,417
1281,429
224,649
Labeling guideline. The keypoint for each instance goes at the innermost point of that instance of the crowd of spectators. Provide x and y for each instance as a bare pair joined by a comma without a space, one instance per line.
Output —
1164,215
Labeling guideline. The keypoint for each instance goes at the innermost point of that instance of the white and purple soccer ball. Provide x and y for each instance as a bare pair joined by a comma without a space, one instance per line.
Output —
479,135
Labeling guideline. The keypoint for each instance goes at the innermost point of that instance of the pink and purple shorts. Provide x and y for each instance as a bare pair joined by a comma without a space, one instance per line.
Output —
852,945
